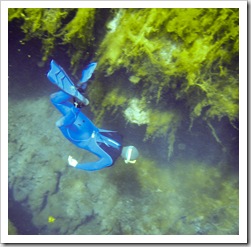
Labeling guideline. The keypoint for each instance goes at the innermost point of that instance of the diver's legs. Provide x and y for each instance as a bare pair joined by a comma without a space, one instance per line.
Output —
69,118
61,101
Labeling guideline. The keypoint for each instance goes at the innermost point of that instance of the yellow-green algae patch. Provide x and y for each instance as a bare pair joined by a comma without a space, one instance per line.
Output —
162,56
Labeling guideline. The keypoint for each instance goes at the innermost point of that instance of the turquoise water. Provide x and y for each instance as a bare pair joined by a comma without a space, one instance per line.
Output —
194,192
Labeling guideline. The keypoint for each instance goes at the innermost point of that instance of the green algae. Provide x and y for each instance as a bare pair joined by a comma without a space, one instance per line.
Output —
54,27
165,55
189,54
197,46
164,125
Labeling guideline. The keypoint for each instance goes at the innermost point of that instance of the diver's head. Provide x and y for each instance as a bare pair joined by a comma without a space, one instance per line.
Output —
129,154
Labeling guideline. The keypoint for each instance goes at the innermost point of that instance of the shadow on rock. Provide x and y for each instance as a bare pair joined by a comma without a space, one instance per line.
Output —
20,217
125,178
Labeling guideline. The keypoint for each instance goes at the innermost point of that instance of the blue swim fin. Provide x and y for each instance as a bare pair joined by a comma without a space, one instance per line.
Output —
86,75
58,76
87,72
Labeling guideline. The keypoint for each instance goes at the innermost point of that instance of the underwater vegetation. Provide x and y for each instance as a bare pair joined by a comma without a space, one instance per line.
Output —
180,64
161,73
177,55
58,27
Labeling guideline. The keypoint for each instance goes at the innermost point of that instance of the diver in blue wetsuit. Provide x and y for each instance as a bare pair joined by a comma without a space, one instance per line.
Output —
80,130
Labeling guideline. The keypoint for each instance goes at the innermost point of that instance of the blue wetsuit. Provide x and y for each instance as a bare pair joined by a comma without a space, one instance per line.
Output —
78,128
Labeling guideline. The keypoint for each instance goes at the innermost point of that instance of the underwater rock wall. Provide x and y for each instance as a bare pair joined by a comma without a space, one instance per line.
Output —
173,65
38,174
179,60
190,198
187,52
146,198
137,59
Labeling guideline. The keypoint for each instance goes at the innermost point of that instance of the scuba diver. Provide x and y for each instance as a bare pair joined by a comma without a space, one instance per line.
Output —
78,128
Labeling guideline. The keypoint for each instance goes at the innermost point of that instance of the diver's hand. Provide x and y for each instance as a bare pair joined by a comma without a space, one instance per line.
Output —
71,161
80,104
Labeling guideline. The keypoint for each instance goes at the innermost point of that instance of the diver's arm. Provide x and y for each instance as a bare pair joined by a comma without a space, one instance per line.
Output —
91,166
104,158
